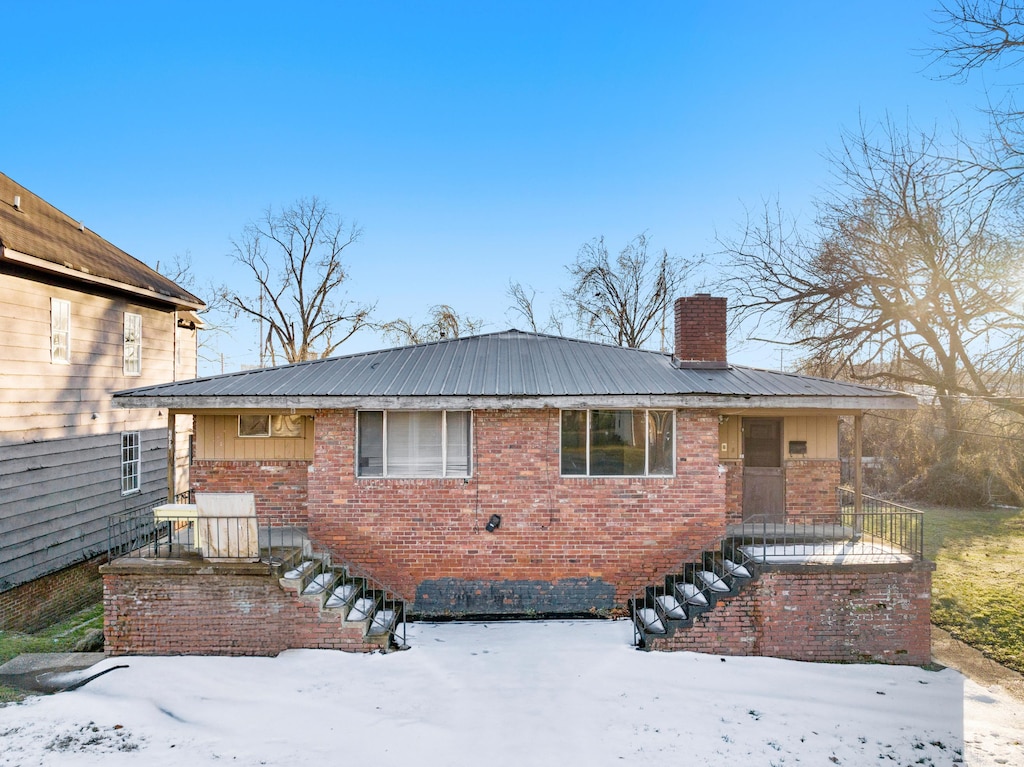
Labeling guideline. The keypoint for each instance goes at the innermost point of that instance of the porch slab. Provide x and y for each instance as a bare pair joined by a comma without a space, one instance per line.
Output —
850,553
790,532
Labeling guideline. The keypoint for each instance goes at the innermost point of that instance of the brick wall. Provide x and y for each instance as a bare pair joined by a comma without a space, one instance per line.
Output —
837,614
564,544
811,491
215,609
733,492
279,486
52,598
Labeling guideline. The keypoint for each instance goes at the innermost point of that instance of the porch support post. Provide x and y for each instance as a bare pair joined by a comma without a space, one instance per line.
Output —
171,455
858,501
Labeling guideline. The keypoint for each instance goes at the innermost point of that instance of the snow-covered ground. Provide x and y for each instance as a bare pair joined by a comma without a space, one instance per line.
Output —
540,693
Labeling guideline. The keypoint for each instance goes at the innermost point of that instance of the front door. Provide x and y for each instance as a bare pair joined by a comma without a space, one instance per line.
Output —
764,486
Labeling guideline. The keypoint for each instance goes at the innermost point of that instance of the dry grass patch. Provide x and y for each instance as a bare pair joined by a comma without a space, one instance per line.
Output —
978,586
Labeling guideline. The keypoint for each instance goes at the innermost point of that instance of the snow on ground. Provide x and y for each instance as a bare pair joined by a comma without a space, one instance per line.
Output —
534,693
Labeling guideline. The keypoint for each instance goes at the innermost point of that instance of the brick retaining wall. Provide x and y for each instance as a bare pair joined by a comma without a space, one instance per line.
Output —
163,608
844,614
52,598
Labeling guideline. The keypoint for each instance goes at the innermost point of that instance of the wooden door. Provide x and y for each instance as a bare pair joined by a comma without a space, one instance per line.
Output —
764,485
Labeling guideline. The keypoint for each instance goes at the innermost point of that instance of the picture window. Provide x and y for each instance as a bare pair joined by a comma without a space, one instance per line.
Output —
414,443
618,443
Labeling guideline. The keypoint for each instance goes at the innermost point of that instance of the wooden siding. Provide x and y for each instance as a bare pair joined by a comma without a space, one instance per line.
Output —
820,432
729,438
217,440
40,399
58,495
60,436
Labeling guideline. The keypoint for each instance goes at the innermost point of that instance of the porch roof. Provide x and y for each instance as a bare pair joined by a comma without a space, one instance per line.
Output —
510,369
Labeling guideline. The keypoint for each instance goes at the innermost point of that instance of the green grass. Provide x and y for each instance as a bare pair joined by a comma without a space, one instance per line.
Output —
60,637
978,584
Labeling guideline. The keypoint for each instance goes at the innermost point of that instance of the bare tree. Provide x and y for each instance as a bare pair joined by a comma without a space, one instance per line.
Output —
904,281
985,34
295,256
523,301
217,314
625,300
974,33
443,322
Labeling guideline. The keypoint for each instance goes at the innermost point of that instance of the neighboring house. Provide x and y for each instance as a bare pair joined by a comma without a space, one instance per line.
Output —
82,319
518,473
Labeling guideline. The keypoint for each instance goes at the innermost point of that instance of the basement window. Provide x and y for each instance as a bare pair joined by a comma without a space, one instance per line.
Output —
414,443
618,443
289,426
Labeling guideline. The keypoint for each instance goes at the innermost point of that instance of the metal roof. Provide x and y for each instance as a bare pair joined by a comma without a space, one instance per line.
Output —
508,369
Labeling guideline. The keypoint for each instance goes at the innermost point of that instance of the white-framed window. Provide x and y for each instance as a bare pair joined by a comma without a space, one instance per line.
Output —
132,344
271,425
60,330
131,462
414,443
618,443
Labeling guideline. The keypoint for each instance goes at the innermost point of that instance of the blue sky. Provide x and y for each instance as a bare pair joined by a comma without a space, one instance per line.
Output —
475,142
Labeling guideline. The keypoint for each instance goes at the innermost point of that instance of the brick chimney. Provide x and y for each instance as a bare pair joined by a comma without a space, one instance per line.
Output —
700,331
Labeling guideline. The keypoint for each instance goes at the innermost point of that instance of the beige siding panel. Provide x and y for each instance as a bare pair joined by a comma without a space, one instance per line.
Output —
729,438
821,433
217,439
96,369
14,429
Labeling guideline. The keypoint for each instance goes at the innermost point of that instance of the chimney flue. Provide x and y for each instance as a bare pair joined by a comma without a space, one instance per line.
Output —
700,331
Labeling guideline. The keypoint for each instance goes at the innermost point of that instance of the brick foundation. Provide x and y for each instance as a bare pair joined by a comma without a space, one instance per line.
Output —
843,614
52,598
811,491
564,545
161,608
280,487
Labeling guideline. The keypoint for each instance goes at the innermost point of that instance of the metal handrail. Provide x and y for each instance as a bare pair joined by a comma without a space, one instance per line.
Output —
881,519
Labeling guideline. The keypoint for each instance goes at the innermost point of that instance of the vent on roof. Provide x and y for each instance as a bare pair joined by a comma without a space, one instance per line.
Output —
17,202
81,226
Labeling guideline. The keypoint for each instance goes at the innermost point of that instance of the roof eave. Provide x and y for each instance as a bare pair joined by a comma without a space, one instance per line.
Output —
894,401
75,274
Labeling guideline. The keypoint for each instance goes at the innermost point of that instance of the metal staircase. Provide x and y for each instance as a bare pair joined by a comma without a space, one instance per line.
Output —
696,589
355,600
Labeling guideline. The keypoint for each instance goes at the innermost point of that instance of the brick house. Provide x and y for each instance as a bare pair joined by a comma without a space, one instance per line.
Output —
516,473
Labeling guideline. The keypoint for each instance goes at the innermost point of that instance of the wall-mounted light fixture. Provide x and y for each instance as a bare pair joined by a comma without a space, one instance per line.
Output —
493,523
